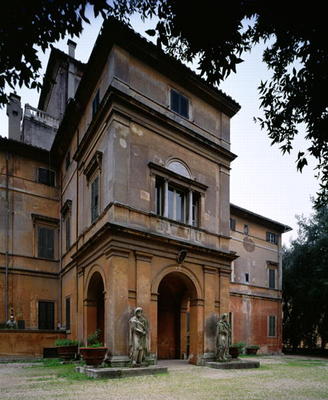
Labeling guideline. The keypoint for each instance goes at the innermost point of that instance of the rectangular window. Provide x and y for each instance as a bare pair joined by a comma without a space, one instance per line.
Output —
232,224
272,325
272,278
246,229
95,104
46,176
176,204
182,205
247,277
195,209
179,103
46,314
46,242
95,199
272,237
68,232
159,190
68,313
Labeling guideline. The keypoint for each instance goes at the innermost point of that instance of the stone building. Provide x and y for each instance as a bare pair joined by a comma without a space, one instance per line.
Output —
114,193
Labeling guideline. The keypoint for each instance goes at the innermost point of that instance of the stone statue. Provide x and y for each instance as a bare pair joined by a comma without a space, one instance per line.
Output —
138,337
223,334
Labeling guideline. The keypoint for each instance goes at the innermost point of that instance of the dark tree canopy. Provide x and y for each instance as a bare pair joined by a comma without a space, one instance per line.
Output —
305,284
212,34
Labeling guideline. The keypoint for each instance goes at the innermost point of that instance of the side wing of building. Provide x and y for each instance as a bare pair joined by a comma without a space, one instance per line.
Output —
256,280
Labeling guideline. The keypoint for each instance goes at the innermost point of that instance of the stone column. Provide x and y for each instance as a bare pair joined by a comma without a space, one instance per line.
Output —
224,291
80,317
143,284
153,322
210,285
117,310
196,330
183,330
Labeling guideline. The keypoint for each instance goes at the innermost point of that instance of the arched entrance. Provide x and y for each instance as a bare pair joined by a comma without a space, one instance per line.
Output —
95,305
177,317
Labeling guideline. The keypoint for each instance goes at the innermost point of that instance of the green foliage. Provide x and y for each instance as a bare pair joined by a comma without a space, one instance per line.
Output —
252,346
66,342
93,339
25,25
239,345
305,284
296,53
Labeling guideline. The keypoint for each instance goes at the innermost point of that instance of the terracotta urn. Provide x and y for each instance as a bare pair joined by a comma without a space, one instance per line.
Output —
93,356
67,352
234,352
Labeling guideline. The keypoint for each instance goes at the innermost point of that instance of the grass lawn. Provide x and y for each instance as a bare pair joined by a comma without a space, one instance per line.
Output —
286,377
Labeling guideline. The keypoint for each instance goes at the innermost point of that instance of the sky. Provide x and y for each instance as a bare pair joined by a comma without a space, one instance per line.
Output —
262,179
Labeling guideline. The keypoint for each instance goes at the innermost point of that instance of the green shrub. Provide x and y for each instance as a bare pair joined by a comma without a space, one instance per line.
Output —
253,346
93,340
66,342
239,345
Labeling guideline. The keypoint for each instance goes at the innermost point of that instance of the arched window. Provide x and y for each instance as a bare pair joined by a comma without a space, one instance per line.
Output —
179,168
177,194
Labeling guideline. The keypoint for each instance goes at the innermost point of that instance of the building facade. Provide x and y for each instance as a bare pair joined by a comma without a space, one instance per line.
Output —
256,280
126,204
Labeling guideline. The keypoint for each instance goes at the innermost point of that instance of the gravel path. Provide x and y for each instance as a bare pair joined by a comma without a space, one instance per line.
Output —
279,378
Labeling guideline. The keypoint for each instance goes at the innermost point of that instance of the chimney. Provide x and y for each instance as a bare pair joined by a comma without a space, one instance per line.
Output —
71,48
14,113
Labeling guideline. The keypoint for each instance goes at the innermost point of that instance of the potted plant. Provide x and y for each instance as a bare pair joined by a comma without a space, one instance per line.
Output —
252,349
66,348
236,349
94,352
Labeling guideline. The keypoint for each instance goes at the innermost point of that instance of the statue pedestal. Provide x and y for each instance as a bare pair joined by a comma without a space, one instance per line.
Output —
111,373
235,364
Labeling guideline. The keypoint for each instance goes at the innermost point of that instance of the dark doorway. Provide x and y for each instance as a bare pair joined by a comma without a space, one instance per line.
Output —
95,305
175,293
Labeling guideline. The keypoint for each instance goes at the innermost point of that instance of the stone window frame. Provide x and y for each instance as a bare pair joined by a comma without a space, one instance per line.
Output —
47,169
188,185
273,266
182,93
46,222
92,171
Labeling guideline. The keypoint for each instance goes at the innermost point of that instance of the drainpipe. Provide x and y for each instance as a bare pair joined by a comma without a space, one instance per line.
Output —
7,239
